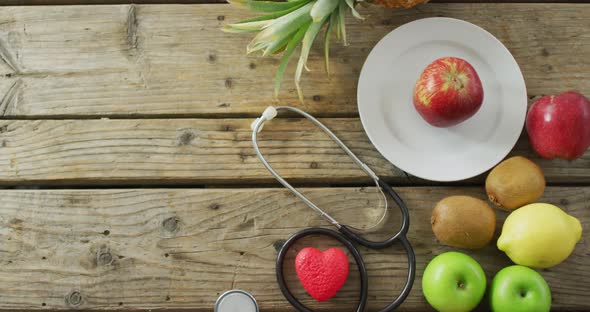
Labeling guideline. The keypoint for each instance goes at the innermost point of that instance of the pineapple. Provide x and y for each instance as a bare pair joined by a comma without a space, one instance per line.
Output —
288,25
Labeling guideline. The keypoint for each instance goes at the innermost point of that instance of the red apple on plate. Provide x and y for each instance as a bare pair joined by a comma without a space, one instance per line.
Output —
559,125
448,92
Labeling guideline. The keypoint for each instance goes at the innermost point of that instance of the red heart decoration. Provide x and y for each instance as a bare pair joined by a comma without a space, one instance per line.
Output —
322,274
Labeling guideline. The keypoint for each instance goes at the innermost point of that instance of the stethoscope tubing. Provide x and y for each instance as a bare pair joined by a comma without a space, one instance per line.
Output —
346,236
393,239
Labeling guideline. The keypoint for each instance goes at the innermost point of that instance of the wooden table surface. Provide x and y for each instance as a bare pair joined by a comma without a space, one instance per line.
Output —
129,180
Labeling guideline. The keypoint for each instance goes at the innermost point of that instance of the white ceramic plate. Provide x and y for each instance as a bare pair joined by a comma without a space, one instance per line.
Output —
400,134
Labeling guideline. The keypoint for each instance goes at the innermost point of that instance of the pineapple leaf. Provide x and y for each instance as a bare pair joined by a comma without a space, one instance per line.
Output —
322,8
293,43
280,28
278,45
355,13
265,6
327,45
246,27
341,22
334,20
308,39
275,14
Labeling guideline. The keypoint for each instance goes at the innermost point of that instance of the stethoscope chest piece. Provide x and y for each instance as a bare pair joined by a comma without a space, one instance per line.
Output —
236,301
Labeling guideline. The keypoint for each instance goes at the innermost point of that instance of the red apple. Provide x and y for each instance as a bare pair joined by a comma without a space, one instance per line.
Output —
448,92
559,125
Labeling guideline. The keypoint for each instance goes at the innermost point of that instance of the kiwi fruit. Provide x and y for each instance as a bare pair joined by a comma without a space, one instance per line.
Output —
463,222
515,182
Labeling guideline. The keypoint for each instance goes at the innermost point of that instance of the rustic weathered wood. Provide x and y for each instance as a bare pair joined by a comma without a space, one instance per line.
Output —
70,2
179,249
201,151
163,60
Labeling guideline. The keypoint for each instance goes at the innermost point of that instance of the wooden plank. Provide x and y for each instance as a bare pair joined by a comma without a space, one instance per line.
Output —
164,60
181,248
78,2
203,151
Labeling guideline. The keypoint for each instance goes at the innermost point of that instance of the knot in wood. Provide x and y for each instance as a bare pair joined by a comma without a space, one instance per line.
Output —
105,258
185,136
74,298
229,83
171,224
212,58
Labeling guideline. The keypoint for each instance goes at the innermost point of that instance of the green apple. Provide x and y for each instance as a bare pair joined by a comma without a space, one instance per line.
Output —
453,282
519,289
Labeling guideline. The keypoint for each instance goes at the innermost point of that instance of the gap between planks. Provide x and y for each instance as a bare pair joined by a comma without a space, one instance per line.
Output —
212,115
268,185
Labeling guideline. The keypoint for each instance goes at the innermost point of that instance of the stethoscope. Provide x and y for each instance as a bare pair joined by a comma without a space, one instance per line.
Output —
346,235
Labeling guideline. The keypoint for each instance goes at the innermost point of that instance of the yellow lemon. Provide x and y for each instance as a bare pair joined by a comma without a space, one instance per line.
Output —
539,235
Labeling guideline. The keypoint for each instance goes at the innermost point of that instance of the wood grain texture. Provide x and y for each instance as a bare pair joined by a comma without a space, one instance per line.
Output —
171,60
83,2
204,151
179,249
